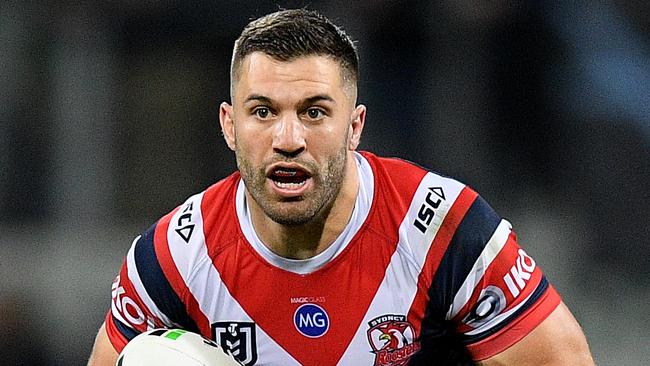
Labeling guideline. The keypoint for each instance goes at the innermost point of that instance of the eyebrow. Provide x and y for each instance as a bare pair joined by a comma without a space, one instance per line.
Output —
318,98
257,97
310,100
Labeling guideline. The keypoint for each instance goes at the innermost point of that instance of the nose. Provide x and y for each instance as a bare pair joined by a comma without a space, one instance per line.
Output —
288,137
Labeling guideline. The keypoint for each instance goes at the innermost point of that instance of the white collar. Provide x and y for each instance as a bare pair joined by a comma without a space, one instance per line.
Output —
304,266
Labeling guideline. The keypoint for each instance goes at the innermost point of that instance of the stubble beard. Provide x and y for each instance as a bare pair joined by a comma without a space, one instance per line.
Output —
327,183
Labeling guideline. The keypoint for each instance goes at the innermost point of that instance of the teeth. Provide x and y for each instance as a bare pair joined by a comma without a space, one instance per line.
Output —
290,185
290,173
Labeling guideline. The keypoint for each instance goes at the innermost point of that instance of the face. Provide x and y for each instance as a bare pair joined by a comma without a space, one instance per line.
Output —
293,126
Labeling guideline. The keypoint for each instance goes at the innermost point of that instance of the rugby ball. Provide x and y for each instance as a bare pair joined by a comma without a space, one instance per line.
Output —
167,347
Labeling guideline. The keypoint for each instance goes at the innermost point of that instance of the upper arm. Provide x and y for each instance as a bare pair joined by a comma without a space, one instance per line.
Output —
488,288
133,309
493,293
558,340
103,354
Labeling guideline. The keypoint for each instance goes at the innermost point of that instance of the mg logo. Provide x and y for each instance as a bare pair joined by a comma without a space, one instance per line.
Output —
311,320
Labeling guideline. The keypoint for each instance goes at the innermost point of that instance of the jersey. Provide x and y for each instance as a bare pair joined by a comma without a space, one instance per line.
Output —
424,273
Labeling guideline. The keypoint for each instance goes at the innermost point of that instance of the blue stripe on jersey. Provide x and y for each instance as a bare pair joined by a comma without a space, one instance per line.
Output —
466,246
156,284
539,291
128,332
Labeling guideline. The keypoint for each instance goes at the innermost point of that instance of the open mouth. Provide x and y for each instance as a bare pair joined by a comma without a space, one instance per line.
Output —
289,178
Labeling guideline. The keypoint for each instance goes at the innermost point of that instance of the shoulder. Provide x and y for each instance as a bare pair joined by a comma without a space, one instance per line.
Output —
190,229
415,198
157,277
390,167
443,221
404,178
173,247
443,224
440,221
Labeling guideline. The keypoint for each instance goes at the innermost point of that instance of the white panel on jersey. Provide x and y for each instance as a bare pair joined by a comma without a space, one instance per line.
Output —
431,187
304,266
205,284
134,277
399,286
491,250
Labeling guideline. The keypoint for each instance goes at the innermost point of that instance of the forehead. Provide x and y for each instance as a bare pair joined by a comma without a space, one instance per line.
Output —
264,75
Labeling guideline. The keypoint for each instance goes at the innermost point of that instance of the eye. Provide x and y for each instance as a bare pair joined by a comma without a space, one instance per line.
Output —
262,112
315,113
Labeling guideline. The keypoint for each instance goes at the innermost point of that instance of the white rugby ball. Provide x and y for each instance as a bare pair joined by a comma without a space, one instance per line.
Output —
173,347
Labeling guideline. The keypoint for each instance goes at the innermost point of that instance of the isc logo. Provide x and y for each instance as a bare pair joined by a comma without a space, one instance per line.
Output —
311,320
520,273
427,209
185,225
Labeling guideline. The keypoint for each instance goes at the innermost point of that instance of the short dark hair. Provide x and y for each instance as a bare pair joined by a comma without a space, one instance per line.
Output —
288,34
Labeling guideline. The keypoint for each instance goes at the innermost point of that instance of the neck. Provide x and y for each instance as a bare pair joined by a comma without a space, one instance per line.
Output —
310,239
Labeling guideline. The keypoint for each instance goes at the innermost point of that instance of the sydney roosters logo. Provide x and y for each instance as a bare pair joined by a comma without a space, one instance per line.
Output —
392,340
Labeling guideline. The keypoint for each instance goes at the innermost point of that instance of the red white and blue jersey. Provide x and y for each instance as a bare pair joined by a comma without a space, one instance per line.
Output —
424,273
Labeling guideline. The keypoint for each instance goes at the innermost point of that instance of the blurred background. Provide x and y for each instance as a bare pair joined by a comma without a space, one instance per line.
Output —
109,119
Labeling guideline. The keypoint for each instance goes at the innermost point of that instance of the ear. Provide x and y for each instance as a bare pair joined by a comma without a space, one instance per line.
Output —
356,126
227,124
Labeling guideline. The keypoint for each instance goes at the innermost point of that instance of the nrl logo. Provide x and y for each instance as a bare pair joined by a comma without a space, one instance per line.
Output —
392,340
238,338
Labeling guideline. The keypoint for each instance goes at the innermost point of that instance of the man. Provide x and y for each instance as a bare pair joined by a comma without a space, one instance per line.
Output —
315,254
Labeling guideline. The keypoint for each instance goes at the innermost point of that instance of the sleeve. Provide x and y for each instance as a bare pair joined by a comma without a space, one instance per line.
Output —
142,297
494,293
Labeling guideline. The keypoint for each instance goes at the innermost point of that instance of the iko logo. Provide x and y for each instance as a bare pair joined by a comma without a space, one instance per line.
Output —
427,209
520,273
311,320
125,307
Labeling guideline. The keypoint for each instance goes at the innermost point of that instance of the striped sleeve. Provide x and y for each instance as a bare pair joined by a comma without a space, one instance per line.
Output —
488,287
142,297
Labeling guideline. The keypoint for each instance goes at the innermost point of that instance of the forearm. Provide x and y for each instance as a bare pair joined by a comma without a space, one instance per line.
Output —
103,353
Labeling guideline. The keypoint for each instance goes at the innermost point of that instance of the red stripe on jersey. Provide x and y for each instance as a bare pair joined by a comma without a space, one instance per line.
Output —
436,252
116,338
174,277
260,287
518,329
508,260
218,208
